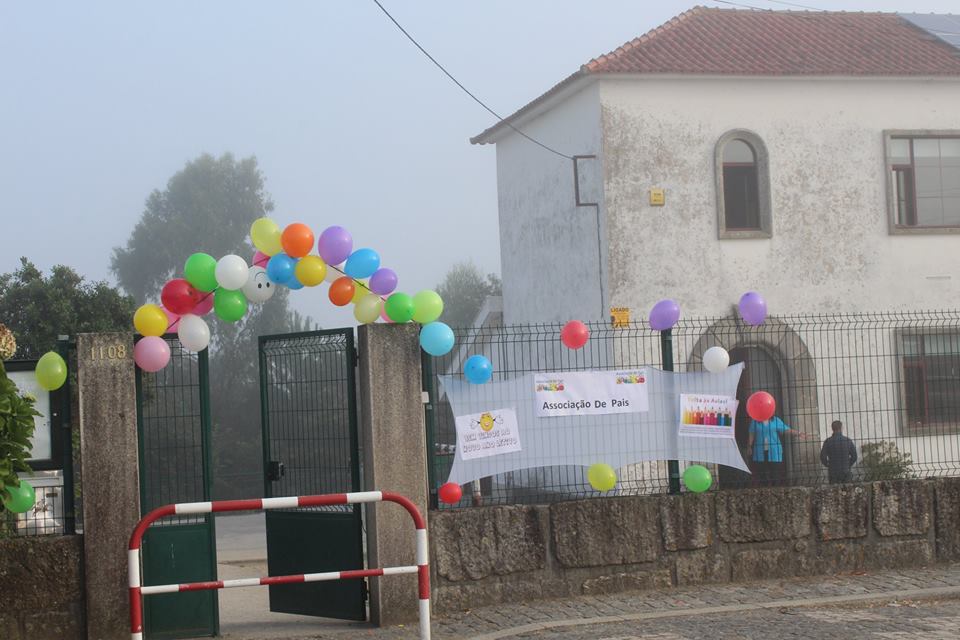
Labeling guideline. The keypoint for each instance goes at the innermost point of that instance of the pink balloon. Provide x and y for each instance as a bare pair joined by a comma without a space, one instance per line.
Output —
204,306
260,259
383,314
151,353
173,320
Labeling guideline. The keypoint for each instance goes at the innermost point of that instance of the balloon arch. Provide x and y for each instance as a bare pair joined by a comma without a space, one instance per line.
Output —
283,258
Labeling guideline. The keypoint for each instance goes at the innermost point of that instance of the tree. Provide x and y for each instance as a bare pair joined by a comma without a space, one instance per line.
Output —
209,206
464,290
38,309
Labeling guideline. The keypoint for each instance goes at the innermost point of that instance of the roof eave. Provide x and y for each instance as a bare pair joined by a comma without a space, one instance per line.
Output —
561,91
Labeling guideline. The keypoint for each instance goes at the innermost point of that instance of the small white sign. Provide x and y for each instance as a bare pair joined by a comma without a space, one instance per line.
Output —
583,393
707,416
490,433
40,443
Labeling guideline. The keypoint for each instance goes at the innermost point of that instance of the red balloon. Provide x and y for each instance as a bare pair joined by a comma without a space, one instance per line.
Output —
341,291
761,406
574,334
179,296
450,493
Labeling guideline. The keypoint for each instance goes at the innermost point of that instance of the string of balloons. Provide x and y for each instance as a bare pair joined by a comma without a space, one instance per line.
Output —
284,257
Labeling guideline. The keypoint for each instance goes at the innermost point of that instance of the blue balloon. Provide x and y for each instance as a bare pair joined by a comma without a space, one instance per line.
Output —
436,338
477,369
280,268
362,263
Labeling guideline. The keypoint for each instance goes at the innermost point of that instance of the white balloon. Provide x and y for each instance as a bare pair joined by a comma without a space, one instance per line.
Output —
231,272
716,360
259,287
194,332
334,272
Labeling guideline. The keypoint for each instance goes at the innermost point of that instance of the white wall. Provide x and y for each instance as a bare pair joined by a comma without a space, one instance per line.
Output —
831,249
548,246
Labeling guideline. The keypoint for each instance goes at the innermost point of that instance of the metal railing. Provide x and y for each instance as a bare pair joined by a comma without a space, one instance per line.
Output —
891,379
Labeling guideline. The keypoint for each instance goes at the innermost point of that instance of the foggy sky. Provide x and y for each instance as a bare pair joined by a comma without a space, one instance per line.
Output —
102,102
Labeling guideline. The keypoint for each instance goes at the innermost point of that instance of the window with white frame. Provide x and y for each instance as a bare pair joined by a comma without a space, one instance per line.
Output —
924,174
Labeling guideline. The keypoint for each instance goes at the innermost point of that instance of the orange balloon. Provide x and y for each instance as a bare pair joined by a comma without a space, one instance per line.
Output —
297,240
341,291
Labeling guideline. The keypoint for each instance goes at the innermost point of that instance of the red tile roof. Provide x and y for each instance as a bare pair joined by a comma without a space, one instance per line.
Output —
708,41
783,43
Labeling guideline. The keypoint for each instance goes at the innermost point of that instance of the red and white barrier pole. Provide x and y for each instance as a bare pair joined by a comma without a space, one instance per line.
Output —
422,568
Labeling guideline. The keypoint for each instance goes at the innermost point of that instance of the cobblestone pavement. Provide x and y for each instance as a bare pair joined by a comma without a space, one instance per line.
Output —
919,603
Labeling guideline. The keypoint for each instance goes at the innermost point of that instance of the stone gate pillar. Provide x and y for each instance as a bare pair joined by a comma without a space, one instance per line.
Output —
111,482
394,459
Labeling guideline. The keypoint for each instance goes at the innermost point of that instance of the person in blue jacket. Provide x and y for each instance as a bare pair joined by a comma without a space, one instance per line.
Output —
767,450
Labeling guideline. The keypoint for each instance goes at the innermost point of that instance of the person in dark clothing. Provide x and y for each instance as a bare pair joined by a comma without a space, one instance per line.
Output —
838,454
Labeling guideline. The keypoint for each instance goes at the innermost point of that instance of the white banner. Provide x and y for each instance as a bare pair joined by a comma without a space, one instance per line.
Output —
585,393
490,433
619,440
707,416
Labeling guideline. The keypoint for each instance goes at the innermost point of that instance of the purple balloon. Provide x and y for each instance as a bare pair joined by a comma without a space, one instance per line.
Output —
335,245
383,281
151,353
753,308
664,315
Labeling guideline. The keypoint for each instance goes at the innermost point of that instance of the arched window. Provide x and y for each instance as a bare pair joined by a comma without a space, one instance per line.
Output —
743,186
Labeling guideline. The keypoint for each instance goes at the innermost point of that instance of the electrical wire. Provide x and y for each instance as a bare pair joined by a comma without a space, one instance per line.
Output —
501,119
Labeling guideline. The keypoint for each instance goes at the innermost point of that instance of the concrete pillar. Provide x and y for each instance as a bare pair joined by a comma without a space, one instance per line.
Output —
394,459
111,483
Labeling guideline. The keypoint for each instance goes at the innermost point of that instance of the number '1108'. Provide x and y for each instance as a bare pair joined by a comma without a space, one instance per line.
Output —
113,352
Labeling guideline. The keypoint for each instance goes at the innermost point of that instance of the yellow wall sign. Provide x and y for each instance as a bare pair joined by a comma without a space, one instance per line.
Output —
657,197
620,317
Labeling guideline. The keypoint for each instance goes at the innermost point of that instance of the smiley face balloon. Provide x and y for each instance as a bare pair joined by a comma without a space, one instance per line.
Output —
259,287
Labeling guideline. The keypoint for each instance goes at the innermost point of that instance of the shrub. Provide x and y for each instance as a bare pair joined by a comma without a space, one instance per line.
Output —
883,461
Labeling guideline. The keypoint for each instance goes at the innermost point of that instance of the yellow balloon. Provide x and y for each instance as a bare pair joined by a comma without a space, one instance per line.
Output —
310,270
602,477
150,320
266,236
360,290
367,309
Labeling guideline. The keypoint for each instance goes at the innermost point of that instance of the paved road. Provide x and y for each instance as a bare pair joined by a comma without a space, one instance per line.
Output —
892,621
892,605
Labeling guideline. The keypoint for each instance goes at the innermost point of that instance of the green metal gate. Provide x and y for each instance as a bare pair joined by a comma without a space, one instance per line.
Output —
310,446
173,419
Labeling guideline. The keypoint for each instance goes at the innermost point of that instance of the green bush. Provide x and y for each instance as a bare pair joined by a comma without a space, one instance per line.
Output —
883,461
16,429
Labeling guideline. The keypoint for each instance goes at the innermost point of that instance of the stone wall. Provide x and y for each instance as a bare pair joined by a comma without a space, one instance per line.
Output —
42,582
603,545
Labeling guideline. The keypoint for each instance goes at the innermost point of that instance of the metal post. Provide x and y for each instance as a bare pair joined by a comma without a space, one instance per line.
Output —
66,436
666,363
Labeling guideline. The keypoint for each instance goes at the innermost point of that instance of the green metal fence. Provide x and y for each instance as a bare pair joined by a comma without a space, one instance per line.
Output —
891,379
173,415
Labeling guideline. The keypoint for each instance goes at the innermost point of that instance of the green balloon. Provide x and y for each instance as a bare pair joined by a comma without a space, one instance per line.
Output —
21,498
427,307
200,271
229,305
399,307
697,478
51,371
602,477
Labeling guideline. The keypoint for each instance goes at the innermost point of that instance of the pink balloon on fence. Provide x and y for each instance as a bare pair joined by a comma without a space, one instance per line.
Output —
151,353
173,320
204,306
383,314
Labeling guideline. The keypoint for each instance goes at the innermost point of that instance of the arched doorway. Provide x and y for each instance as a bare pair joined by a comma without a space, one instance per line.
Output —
761,373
